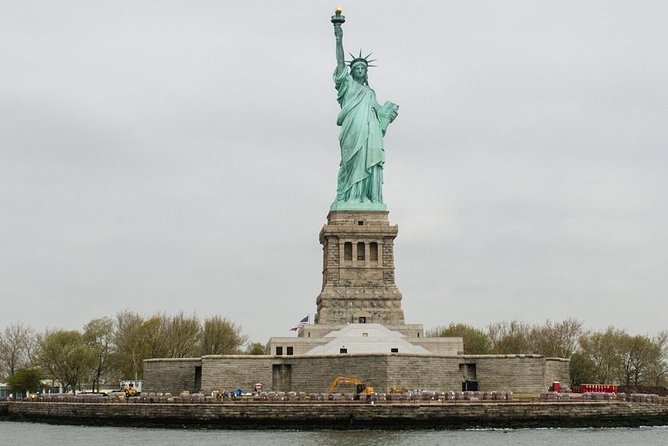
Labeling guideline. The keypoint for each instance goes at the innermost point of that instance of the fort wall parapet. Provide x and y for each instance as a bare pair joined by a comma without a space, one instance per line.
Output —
314,373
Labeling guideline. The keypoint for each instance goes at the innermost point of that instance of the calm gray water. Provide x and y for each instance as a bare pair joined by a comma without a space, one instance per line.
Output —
19,434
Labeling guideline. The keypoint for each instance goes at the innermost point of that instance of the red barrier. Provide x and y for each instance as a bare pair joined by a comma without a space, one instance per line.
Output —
597,388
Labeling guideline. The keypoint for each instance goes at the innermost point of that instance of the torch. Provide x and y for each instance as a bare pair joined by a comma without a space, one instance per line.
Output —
337,18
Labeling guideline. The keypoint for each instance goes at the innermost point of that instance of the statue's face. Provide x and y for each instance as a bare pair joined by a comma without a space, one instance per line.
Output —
359,72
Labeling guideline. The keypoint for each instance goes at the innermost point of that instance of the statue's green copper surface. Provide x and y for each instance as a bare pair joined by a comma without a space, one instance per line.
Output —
363,124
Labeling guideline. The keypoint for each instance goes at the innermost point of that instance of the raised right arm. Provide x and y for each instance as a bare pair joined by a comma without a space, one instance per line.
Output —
340,58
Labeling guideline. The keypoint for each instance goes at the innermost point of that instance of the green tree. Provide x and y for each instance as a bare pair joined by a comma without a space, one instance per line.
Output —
476,341
256,348
556,340
138,339
128,340
153,333
221,337
98,338
25,380
581,369
65,357
658,369
182,335
603,351
179,336
638,355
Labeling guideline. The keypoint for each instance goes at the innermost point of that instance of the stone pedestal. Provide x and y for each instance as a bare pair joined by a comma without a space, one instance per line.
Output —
358,270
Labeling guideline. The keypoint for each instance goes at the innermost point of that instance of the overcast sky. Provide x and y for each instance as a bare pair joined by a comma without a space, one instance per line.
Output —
182,156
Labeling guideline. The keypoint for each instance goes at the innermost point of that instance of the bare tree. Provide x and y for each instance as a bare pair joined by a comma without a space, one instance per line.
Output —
17,344
510,337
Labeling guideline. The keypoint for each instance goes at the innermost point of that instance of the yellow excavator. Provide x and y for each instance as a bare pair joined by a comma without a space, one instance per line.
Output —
398,389
360,387
130,390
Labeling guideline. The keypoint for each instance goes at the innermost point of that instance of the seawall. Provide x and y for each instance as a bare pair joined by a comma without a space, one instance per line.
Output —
341,415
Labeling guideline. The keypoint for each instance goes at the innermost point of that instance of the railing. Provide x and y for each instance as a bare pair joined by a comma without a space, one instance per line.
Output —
421,398
602,396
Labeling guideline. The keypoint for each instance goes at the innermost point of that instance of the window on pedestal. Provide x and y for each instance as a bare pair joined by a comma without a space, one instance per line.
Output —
279,351
373,251
360,251
347,251
290,350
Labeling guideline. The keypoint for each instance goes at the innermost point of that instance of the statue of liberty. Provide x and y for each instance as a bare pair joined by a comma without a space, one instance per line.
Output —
363,123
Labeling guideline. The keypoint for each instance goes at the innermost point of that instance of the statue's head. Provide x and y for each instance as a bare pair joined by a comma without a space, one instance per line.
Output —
359,72
359,67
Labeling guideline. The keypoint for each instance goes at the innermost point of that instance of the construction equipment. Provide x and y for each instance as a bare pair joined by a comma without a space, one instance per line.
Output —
360,387
127,383
129,390
398,389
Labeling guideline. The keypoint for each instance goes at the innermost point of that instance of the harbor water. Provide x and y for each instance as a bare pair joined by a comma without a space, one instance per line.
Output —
19,434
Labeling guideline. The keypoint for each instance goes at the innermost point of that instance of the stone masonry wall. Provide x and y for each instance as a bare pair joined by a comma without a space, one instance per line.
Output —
170,375
424,372
517,373
358,285
450,346
343,415
332,261
388,260
231,372
313,374
557,369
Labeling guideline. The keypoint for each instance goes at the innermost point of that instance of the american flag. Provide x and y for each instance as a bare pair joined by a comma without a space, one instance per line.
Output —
300,324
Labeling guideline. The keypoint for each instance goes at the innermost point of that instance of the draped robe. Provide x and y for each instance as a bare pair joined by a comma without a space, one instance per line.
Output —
363,124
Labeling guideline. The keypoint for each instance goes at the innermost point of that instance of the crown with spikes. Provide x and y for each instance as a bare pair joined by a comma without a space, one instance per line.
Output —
359,59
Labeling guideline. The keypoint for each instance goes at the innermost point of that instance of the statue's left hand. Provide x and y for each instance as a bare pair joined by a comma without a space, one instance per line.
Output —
393,115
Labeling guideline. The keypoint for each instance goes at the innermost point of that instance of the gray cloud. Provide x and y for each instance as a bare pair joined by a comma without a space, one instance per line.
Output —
183,157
